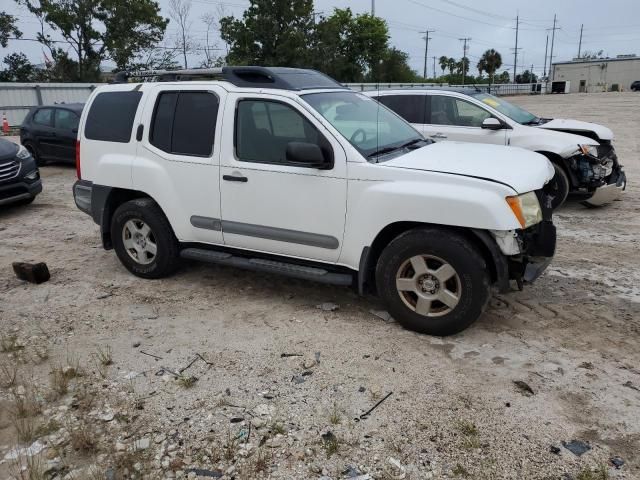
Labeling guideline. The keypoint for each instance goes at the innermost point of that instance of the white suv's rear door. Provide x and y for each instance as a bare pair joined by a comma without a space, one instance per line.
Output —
451,118
178,155
268,204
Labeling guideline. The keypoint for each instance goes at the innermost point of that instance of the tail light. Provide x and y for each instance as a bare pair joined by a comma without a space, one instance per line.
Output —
78,173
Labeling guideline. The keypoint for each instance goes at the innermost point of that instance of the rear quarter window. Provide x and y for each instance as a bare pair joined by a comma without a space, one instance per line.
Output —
111,116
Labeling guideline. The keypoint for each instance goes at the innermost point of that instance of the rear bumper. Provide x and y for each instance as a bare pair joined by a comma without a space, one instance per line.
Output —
82,193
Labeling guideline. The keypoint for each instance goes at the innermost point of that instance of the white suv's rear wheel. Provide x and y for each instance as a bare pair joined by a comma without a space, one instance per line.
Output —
143,239
433,281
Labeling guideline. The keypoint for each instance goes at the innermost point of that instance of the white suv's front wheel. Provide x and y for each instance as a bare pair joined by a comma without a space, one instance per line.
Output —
433,281
143,239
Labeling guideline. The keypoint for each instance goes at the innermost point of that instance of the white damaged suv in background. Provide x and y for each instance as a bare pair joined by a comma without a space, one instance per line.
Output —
582,153
285,171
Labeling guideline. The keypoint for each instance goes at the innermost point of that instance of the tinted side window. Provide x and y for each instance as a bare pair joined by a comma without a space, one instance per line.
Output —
43,117
111,116
66,119
264,129
453,111
184,123
409,107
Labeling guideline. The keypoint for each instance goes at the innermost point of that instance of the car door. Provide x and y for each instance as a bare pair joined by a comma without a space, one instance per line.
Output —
65,124
268,203
410,106
455,119
43,133
177,160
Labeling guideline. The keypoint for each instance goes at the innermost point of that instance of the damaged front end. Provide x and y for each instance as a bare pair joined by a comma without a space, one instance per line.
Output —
597,176
527,252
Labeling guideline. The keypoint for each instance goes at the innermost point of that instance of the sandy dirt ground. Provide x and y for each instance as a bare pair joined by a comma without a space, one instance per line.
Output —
243,410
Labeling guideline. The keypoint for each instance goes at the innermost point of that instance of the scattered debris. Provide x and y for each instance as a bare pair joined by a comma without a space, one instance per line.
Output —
104,295
236,419
524,388
200,472
136,344
328,437
630,385
555,450
394,470
616,462
586,365
32,272
298,379
141,444
328,307
577,447
365,415
287,355
35,448
362,389
148,354
382,314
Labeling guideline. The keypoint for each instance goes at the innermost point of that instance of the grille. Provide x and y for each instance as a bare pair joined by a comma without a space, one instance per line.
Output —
9,170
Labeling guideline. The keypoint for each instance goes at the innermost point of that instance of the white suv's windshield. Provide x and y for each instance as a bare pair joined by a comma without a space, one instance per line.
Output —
513,112
369,126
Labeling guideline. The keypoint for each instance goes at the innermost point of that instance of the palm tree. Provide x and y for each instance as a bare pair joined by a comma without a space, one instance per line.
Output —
444,63
451,64
492,61
482,67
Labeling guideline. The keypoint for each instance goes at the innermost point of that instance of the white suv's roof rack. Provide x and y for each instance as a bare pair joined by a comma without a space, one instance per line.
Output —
283,78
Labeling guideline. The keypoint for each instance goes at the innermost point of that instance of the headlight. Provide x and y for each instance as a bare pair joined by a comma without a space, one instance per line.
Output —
526,208
23,153
589,150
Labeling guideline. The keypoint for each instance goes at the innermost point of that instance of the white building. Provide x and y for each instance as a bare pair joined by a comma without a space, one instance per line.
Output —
598,75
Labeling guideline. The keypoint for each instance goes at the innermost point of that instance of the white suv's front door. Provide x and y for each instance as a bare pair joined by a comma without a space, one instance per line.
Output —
268,203
454,119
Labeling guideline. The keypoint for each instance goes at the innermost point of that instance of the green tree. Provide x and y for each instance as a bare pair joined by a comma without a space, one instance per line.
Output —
451,65
271,32
504,77
462,66
444,63
8,28
354,48
97,30
395,67
526,77
18,69
491,61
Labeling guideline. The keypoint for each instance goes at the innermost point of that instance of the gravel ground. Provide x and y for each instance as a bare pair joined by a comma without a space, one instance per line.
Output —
459,407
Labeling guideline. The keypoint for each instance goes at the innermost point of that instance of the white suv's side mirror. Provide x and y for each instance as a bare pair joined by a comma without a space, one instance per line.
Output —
492,124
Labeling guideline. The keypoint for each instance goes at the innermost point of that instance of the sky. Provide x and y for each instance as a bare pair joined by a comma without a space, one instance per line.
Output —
609,25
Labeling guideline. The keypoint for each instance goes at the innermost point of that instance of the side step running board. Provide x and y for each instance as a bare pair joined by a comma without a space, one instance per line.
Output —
268,266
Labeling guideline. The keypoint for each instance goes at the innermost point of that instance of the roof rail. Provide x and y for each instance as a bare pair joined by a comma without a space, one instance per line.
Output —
258,77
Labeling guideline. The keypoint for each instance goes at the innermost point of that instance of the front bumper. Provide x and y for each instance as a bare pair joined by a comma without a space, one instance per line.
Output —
18,191
612,191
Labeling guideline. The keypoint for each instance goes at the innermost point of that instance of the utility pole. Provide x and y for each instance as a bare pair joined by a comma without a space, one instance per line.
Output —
580,44
434,67
464,56
373,8
553,39
314,16
546,50
426,49
515,50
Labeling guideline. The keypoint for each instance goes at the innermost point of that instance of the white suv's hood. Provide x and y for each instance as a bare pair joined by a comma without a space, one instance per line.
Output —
521,169
577,127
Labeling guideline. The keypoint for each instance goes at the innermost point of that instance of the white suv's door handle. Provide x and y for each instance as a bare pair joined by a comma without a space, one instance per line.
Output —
438,135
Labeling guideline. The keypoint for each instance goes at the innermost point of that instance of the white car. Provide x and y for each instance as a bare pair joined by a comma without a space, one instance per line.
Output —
285,171
582,153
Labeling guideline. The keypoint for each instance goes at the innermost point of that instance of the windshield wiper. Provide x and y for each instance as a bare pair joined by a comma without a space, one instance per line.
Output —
535,121
384,150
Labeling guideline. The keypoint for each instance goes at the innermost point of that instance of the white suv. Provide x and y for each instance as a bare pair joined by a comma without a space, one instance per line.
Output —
285,171
582,153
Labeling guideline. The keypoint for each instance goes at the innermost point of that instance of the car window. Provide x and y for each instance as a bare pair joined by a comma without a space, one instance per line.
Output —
111,116
184,123
265,128
454,111
409,107
66,119
43,117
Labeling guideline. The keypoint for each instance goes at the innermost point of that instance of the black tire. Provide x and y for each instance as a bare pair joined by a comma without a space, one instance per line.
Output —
472,281
558,187
34,153
166,259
